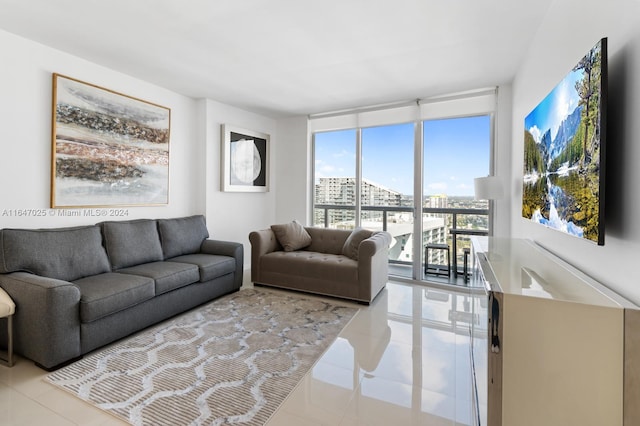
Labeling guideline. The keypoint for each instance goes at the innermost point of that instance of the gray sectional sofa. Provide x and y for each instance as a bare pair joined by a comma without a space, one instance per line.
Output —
333,262
77,289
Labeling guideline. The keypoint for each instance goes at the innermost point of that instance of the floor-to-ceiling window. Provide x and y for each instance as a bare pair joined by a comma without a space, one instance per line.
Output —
335,179
387,185
417,162
455,150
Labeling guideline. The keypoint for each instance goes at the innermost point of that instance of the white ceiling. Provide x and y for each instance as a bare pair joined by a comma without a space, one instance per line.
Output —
291,57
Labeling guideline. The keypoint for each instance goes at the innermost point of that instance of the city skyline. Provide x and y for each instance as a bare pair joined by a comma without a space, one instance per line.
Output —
456,150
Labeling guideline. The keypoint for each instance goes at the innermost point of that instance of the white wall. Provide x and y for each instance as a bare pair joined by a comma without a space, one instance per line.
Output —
25,135
570,28
295,192
233,215
502,161
194,174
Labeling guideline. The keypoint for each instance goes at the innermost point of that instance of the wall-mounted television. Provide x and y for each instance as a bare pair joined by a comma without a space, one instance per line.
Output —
564,151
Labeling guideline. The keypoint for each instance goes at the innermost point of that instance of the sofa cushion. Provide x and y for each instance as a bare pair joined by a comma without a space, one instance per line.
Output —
106,294
291,236
62,253
166,275
182,235
321,266
327,240
131,242
350,247
210,266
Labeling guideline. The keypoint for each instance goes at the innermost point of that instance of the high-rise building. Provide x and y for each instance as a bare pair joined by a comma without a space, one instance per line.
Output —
342,191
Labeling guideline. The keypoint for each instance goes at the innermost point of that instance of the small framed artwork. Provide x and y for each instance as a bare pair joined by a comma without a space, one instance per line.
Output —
108,149
245,160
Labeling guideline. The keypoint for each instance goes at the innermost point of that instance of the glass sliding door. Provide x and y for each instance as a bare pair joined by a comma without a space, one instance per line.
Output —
456,150
386,189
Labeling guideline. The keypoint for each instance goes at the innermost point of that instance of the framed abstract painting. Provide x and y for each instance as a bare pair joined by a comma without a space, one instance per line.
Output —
245,160
108,149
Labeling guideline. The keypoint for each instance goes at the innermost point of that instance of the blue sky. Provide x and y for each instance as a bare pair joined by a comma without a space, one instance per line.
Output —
554,108
456,151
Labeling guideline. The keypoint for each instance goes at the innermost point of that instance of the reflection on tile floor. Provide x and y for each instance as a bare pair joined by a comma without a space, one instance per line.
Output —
403,360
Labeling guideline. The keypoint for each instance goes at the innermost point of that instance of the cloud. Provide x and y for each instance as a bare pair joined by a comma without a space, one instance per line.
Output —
561,110
564,103
325,170
437,186
536,133
343,153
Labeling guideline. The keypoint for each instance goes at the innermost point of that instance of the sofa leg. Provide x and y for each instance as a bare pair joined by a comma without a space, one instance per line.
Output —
8,361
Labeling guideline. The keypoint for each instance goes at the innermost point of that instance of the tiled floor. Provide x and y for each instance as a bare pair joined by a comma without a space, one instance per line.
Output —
404,360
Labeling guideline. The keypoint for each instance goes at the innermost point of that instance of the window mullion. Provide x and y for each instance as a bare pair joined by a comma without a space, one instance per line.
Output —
358,176
418,200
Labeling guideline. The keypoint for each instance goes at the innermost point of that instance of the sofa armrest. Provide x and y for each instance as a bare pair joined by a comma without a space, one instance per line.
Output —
222,248
262,242
373,264
375,243
47,317
227,248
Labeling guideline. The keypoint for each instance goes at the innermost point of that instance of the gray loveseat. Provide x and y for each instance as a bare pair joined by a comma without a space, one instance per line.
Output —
340,263
77,289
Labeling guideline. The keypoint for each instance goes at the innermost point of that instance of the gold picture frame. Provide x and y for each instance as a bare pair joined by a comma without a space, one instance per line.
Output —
245,160
108,149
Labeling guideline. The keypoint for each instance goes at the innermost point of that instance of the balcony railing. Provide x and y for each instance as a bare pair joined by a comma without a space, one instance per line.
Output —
456,227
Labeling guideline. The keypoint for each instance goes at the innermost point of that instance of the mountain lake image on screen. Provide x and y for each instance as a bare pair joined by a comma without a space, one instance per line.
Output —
564,146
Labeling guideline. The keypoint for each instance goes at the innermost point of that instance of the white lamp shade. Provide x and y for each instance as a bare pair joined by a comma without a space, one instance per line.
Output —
488,188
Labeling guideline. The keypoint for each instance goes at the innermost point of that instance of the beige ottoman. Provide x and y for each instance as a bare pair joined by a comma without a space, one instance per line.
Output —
7,309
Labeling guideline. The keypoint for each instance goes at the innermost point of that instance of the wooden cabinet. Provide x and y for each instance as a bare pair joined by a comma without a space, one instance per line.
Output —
551,345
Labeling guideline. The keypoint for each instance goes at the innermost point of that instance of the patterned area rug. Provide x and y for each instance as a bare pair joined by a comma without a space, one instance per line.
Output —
232,361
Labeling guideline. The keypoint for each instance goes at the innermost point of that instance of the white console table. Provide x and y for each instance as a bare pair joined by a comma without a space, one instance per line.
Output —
550,345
